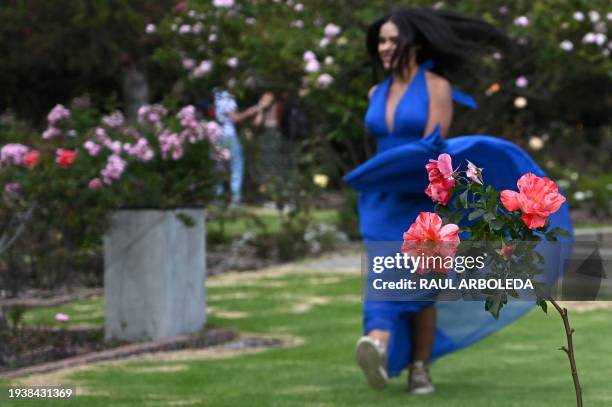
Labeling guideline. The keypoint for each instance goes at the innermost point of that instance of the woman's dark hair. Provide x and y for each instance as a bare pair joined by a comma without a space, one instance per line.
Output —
446,38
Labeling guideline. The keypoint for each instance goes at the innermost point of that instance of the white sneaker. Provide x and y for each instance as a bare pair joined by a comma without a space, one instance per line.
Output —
372,360
419,381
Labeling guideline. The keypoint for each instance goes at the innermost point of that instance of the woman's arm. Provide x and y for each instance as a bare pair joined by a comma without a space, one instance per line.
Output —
237,117
264,102
440,104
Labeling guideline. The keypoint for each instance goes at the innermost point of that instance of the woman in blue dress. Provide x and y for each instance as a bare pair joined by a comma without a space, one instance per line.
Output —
409,114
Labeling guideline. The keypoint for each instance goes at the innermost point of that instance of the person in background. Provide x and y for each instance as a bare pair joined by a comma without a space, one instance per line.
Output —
275,152
227,114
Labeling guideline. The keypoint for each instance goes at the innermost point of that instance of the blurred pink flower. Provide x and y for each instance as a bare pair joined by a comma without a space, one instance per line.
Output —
170,144
92,148
114,146
213,131
212,38
521,82
141,150
150,29
299,7
197,27
594,16
331,30
188,63
312,66
324,42
600,39
566,45
184,29
95,184
65,158
225,154
13,154
62,317
309,56
115,165
151,114
202,69
31,159
51,133
223,3
323,81
521,21
232,62
100,134
579,16
12,187
113,120
589,38
58,113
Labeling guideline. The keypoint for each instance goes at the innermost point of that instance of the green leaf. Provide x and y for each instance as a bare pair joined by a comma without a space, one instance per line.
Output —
559,232
476,214
496,224
463,199
543,305
489,216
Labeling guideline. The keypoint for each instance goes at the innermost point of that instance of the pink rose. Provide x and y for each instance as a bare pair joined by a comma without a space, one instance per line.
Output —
426,236
537,199
441,177
31,159
65,158
95,184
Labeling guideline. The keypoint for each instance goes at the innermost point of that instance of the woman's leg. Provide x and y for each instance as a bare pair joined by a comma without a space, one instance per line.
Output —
423,328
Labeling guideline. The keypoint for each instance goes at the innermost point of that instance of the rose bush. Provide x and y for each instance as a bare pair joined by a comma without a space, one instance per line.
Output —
511,222
85,165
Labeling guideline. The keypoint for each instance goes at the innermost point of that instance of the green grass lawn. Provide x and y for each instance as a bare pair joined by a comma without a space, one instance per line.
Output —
519,366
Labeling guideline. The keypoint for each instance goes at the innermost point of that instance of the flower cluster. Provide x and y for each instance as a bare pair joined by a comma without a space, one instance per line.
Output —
56,119
537,199
116,144
115,166
152,115
13,154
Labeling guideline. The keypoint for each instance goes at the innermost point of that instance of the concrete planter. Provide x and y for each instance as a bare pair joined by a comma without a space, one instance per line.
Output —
154,273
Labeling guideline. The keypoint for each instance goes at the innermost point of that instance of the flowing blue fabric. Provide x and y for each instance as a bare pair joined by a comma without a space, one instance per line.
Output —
392,185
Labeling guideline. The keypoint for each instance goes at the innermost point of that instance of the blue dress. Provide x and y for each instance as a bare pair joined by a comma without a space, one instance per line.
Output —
392,185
